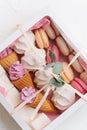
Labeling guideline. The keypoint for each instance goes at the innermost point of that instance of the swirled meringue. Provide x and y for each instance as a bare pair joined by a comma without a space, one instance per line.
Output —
24,44
42,77
34,58
63,97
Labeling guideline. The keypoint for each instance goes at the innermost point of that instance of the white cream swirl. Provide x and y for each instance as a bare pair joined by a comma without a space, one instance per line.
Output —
24,44
42,77
34,58
63,97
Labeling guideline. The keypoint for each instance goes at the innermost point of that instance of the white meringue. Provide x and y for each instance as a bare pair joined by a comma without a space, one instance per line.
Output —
24,44
63,97
42,77
34,58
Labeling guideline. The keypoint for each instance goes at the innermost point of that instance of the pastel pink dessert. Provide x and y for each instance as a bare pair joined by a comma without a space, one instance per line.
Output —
2,91
79,85
26,93
5,53
52,53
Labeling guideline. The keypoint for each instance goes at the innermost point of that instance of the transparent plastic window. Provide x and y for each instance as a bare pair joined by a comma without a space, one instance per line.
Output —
41,75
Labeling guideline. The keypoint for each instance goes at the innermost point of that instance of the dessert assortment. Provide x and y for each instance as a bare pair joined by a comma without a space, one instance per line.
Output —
41,75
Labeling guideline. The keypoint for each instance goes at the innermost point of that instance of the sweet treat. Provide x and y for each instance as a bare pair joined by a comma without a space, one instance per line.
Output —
47,105
34,59
78,84
83,63
63,97
62,46
40,122
19,76
23,45
54,26
41,38
76,65
67,73
52,53
42,77
4,80
7,57
50,32
13,97
2,91
26,113
83,76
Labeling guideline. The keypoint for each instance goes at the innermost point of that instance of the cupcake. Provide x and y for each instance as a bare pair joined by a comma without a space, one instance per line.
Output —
7,57
19,76
47,105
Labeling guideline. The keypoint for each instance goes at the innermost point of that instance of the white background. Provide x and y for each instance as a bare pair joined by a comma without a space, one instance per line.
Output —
73,13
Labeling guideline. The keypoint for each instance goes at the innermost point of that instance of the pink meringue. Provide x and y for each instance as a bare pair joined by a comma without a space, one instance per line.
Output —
16,71
5,53
27,92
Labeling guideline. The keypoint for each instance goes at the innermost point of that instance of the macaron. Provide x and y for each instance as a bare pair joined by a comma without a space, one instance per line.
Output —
67,73
41,38
62,45
78,84
50,32
76,64
52,53
83,77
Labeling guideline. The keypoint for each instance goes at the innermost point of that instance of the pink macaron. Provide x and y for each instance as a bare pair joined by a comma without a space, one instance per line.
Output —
79,85
52,53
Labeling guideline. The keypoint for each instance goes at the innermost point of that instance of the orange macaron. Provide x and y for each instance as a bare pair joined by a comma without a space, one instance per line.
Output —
67,73
41,38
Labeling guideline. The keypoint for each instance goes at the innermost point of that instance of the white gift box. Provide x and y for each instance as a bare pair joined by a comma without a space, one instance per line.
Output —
75,45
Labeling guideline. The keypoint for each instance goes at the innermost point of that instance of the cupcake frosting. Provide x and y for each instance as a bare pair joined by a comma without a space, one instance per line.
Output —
16,71
26,93
23,45
42,77
63,97
34,58
5,53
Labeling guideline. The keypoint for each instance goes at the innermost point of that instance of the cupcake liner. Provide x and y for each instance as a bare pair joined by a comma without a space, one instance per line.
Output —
46,107
24,81
7,61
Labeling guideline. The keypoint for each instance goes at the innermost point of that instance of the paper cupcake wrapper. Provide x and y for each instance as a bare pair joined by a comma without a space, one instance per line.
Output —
25,81
46,107
9,60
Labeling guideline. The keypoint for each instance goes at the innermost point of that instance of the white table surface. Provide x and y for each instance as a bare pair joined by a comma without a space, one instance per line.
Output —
73,13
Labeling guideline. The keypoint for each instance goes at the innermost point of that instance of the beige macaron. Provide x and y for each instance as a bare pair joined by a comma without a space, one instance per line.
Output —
76,65
67,73
83,76
41,38
50,31
62,45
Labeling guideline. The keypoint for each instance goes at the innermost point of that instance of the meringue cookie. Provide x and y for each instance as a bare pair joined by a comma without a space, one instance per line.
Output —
23,45
42,77
4,80
63,97
34,58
